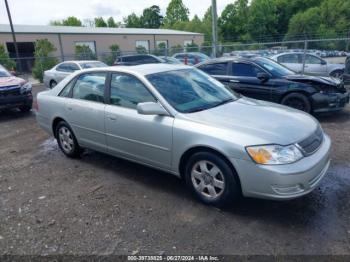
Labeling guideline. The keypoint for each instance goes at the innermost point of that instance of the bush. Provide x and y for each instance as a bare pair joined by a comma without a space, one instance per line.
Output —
141,50
109,60
5,60
43,61
83,52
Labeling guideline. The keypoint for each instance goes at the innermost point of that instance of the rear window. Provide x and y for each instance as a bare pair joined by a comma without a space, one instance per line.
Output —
215,69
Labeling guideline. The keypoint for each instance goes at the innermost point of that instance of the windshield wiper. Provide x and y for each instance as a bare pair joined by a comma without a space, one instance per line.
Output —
197,109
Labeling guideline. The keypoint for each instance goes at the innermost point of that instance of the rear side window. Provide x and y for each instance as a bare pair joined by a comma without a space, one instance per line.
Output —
90,87
215,69
127,91
243,69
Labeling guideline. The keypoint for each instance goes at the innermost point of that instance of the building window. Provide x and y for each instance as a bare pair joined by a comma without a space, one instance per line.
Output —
160,44
142,44
188,42
90,44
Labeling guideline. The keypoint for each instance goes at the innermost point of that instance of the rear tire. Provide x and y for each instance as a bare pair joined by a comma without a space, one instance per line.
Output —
67,141
53,83
211,179
297,101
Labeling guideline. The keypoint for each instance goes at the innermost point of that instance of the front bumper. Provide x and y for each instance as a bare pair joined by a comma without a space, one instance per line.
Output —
329,102
13,101
284,181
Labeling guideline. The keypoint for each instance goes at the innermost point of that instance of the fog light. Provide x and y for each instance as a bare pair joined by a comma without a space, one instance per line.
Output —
287,190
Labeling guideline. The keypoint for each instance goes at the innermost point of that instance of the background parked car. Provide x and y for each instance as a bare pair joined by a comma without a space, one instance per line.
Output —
346,76
170,60
191,58
314,65
15,92
53,76
139,59
264,79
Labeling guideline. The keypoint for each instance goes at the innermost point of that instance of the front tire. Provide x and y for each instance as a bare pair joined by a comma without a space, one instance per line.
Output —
67,141
297,101
337,74
211,179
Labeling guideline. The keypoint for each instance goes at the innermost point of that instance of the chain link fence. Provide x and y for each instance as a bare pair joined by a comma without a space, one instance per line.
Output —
332,51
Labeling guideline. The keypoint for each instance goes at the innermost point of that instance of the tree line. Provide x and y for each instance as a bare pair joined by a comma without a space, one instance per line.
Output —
242,20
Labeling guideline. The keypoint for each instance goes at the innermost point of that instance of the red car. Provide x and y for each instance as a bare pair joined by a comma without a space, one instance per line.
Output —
15,92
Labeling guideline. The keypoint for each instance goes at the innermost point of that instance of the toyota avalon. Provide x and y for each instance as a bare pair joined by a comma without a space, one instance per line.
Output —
180,120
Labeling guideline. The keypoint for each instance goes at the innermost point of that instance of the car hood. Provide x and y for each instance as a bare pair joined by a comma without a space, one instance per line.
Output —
314,79
11,81
256,121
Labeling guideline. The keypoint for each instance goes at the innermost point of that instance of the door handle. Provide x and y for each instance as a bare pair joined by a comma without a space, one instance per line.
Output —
69,108
112,118
234,81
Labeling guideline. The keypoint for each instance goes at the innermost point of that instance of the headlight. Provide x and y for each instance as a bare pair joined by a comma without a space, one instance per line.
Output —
274,154
25,88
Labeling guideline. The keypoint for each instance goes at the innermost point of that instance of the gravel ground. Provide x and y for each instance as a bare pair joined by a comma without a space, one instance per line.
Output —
103,205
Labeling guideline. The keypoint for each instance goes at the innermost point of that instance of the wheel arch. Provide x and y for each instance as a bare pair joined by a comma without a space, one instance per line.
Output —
202,148
302,92
55,122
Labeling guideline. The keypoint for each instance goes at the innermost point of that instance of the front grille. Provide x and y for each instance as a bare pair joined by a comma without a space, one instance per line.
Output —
312,143
9,91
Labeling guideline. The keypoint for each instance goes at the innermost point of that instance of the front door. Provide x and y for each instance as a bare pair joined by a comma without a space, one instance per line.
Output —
144,138
243,80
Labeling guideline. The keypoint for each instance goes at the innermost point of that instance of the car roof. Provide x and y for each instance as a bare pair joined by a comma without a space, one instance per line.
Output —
80,61
137,55
144,69
228,59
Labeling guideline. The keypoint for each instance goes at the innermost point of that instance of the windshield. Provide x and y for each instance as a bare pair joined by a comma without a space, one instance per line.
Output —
86,65
189,90
4,72
274,68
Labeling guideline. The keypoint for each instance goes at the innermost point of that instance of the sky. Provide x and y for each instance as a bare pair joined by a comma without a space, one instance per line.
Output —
41,12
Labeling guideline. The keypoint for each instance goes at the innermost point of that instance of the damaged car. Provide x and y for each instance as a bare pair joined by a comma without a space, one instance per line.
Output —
15,92
264,79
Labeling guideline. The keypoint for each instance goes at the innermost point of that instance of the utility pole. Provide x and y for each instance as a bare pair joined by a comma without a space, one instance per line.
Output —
214,18
13,37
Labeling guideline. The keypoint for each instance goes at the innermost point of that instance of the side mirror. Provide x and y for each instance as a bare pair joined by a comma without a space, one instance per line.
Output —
323,62
263,77
151,108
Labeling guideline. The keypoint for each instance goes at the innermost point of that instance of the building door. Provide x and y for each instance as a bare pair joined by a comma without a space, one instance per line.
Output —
26,54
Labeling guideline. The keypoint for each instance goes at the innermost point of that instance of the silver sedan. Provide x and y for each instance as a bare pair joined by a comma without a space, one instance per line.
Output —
180,120
56,74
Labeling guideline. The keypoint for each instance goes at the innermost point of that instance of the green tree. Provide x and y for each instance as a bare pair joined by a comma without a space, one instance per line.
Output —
111,22
176,12
43,58
5,59
69,21
100,22
151,17
83,52
132,21
232,22
262,19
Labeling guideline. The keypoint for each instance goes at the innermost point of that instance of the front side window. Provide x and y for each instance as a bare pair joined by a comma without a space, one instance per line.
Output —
127,91
90,87
243,69
190,90
215,69
289,58
310,59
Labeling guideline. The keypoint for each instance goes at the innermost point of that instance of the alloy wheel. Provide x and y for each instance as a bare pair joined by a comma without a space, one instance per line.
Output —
66,139
207,179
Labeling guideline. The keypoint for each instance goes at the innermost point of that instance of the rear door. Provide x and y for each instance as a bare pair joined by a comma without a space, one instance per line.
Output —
86,108
243,80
